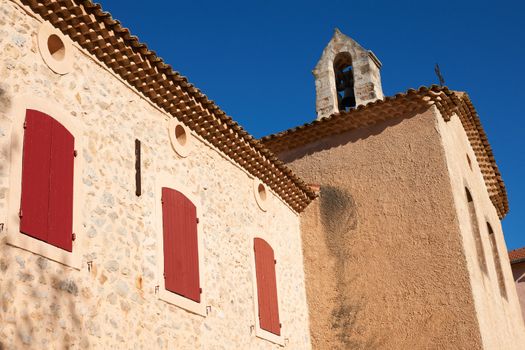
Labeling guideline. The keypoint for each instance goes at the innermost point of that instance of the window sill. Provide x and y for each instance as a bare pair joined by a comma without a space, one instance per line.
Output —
33,245
182,302
274,338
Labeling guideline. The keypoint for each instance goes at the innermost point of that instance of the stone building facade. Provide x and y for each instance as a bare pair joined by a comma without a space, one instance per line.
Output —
397,246
71,61
403,248
517,263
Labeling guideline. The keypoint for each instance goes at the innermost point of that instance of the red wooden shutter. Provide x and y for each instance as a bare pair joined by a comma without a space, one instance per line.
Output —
181,253
47,181
266,287
61,187
34,203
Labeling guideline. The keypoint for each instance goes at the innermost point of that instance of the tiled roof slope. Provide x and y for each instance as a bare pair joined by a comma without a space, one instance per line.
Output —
517,255
402,105
96,31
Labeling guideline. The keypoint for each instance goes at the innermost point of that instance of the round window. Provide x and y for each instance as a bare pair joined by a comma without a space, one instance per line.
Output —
261,193
180,137
55,49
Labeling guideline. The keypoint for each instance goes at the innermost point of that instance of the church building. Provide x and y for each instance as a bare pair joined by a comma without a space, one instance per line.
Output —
134,213
404,247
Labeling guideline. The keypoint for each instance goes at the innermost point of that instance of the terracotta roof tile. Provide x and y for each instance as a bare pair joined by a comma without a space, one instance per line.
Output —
97,32
447,101
517,255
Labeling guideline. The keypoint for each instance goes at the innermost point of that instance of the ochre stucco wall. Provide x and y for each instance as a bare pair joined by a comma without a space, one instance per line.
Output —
384,261
497,307
46,305
518,271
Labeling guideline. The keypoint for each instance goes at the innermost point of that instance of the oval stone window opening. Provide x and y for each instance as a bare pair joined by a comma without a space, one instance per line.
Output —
262,197
56,47
180,137
262,192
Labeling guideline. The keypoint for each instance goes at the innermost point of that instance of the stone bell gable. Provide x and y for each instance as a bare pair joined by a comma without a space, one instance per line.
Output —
340,54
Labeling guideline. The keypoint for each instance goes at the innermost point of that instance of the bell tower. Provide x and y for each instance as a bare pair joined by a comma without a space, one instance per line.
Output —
346,76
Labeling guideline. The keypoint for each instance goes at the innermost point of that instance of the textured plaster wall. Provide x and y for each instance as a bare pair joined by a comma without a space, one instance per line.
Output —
384,262
46,305
500,319
518,271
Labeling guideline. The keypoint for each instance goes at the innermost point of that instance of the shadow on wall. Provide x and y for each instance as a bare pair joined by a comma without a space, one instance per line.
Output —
346,137
340,220
38,300
5,104
5,101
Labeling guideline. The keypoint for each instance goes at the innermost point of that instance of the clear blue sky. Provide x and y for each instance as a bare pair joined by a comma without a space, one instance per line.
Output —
254,58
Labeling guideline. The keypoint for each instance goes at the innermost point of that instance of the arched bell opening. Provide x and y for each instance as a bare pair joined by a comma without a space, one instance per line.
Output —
344,81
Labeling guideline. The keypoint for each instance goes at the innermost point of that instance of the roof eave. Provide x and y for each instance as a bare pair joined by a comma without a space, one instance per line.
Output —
448,103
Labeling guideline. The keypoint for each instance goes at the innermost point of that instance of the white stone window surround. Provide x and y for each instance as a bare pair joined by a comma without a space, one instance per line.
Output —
167,180
14,237
259,332
181,138
55,48
261,193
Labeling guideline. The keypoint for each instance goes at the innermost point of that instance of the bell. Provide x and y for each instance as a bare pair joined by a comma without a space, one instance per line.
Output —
348,100
339,81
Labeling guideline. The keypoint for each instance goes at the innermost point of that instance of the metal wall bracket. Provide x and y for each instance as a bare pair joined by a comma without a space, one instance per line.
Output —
138,176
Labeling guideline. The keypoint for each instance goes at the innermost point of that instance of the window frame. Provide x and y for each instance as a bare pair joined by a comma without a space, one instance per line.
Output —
259,332
64,65
182,150
14,236
263,203
167,180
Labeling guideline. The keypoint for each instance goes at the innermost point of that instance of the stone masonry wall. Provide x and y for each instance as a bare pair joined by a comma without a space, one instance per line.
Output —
46,305
366,70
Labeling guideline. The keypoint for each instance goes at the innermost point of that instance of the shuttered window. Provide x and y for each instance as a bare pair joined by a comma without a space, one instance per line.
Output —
46,208
476,232
181,256
266,287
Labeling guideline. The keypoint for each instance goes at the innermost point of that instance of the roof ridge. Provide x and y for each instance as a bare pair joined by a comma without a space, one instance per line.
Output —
448,103
409,92
104,37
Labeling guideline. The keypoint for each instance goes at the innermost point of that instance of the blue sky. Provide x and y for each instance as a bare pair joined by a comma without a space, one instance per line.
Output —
254,58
